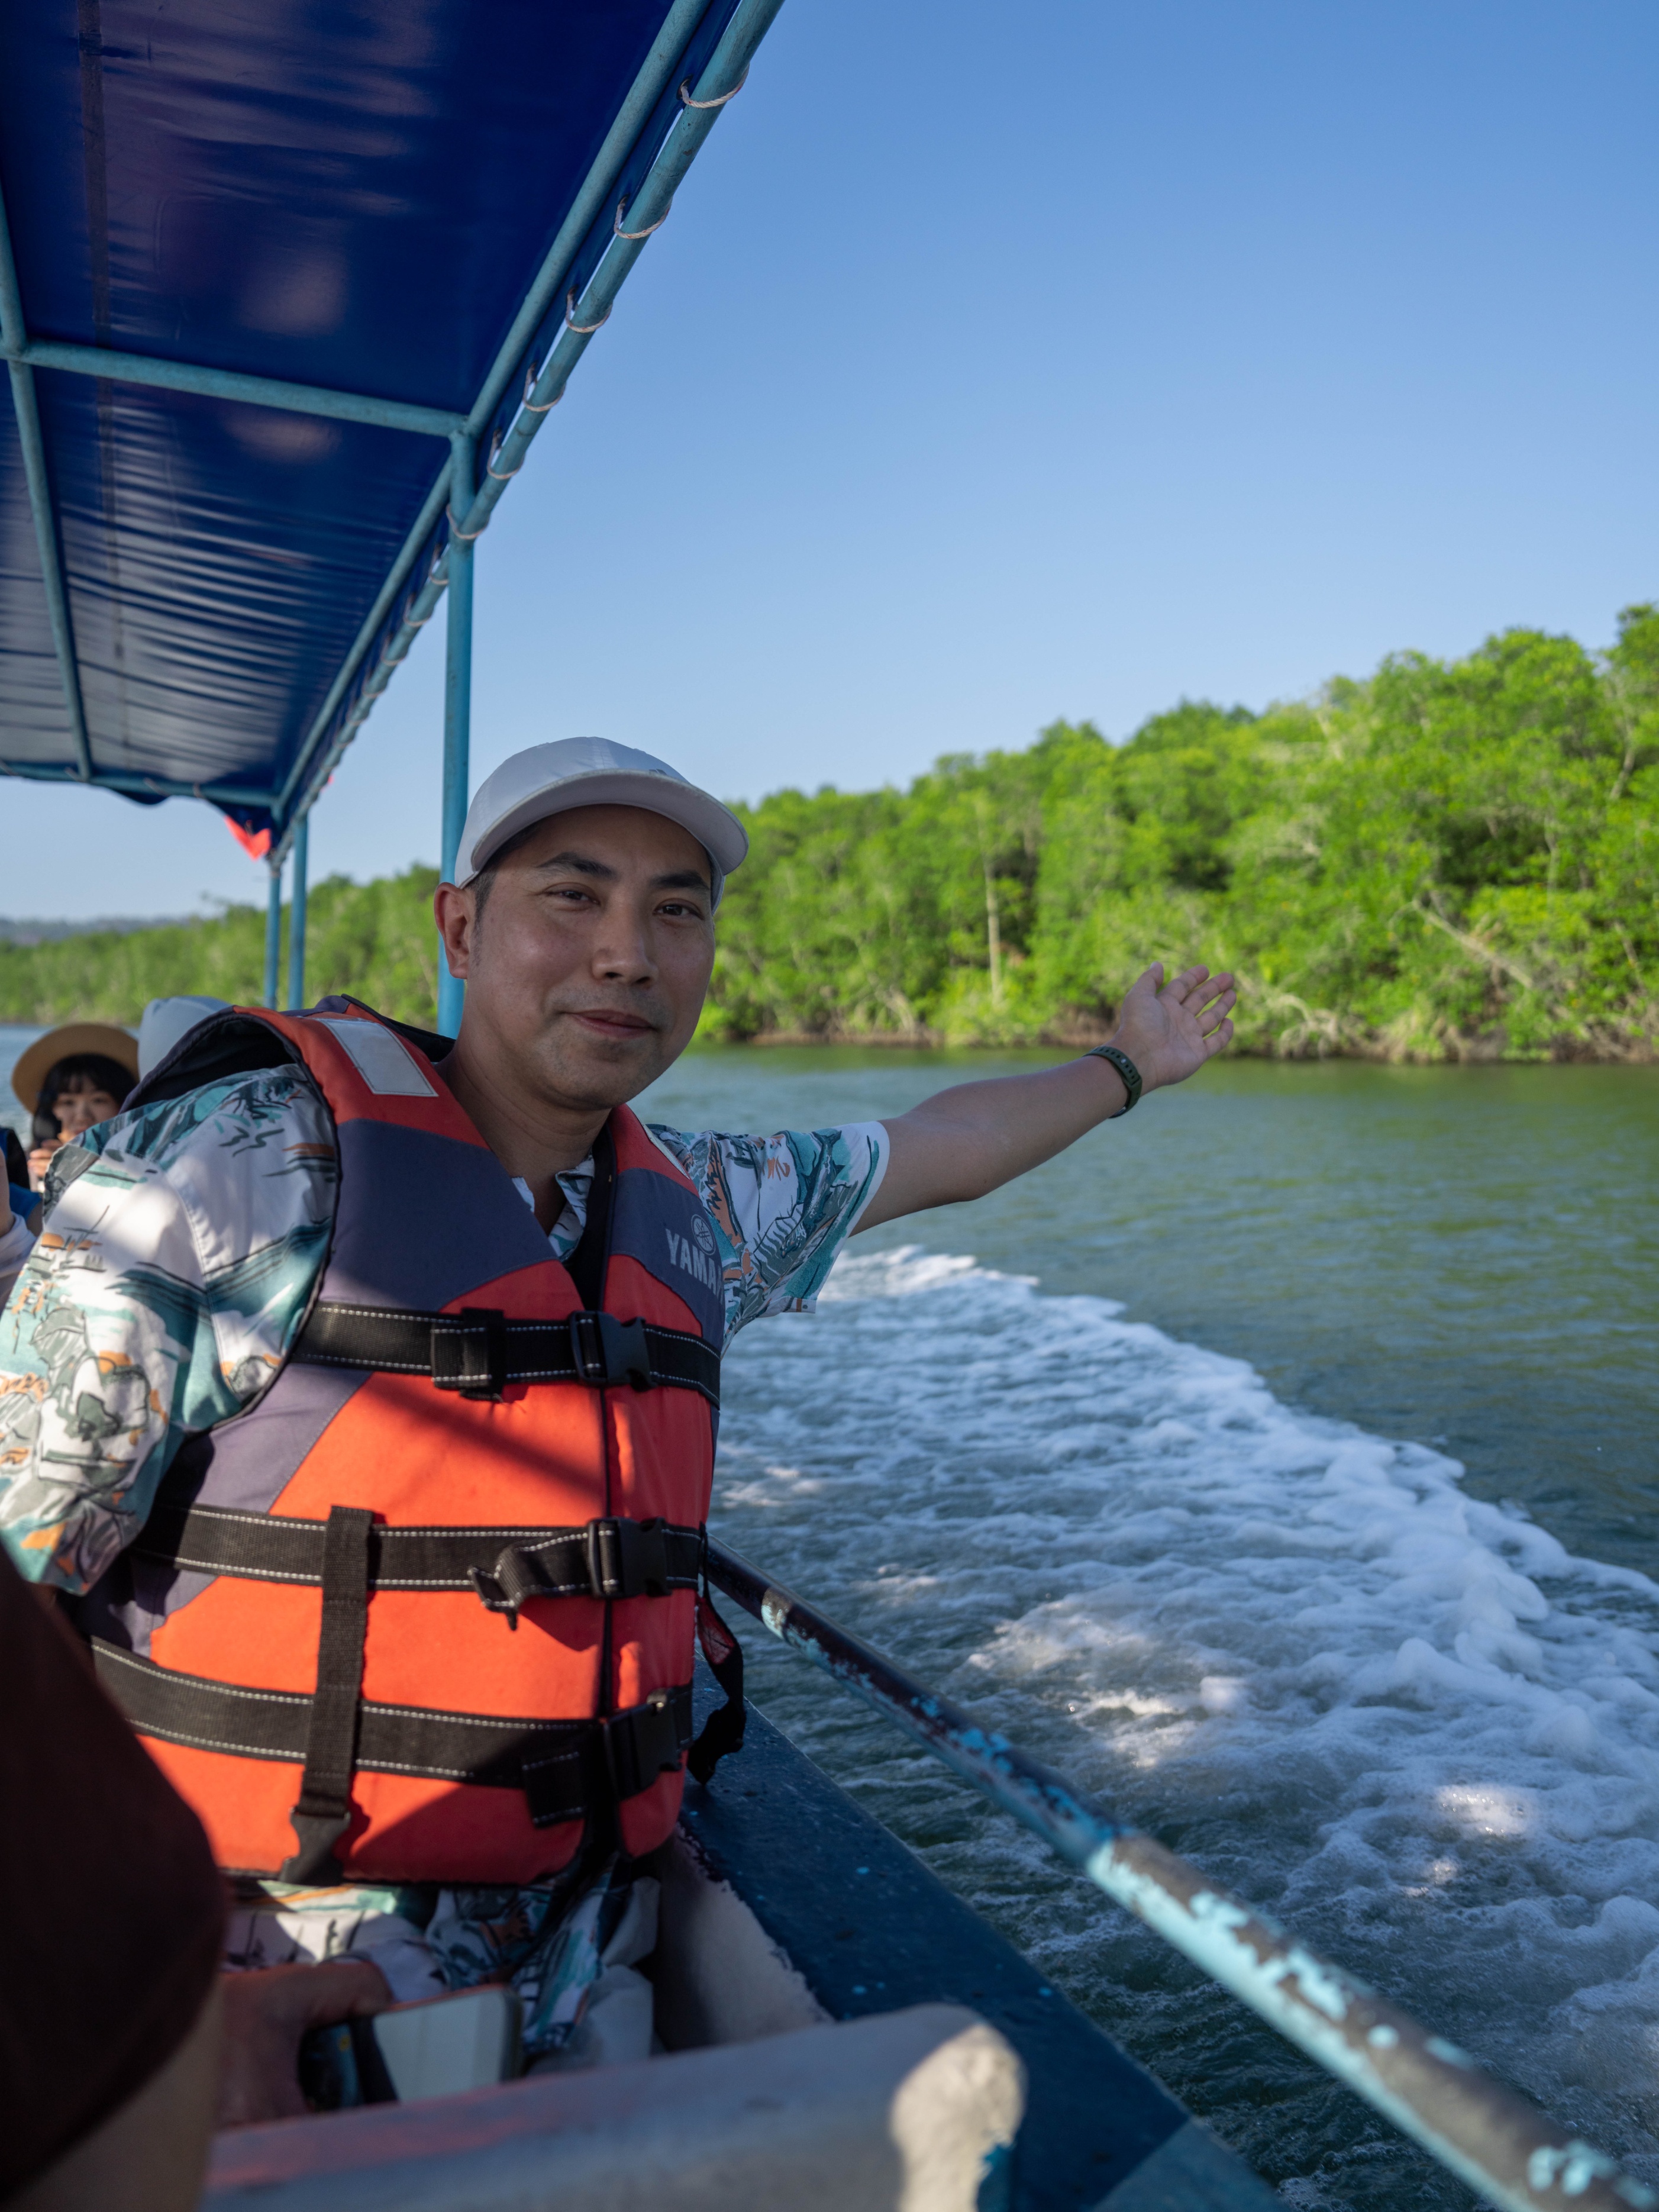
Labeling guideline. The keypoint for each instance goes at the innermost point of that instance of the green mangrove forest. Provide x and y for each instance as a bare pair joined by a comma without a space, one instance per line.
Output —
1449,861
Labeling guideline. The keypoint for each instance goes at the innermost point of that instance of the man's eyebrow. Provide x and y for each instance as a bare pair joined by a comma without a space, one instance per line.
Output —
580,864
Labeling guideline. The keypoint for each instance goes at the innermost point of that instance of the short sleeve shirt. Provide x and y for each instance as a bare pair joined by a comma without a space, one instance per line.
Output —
176,1259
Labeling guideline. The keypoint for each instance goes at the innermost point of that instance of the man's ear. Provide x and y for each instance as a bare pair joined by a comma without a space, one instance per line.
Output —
456,913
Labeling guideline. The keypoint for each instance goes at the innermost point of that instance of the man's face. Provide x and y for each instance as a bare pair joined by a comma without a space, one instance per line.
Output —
588,969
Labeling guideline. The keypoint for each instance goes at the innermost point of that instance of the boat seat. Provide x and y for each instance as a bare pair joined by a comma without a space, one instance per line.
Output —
905,2111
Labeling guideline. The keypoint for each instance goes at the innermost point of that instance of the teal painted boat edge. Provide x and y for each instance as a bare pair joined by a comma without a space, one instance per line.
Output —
870,1930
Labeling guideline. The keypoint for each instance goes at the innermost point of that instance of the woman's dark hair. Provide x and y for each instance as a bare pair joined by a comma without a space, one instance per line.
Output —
96,1070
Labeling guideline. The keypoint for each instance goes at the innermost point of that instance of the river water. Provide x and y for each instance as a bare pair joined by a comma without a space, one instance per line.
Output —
1280,1465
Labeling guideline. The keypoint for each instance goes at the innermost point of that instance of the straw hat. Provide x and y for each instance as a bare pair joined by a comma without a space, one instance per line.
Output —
37,1061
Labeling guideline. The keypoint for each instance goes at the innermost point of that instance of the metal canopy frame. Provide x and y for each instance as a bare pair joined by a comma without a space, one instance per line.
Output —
459,506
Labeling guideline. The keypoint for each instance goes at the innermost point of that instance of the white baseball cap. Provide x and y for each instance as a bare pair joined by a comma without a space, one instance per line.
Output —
551,779
169,1022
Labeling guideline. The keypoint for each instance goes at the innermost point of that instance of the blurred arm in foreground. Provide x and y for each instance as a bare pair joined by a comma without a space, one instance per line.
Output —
110,1920
122,2045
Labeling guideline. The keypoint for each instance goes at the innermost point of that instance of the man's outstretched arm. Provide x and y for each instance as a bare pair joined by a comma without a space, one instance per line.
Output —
965,1141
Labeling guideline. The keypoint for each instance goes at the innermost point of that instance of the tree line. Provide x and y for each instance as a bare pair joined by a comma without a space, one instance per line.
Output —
1451,859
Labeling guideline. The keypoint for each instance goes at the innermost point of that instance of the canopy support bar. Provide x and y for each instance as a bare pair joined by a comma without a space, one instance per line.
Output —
229,384
26,408
425,523
328,736
725,71
458,713
648,90
724,76
140,786
273,935
648,87
296,917
28,411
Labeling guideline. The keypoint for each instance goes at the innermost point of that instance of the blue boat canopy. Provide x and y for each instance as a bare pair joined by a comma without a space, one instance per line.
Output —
285,292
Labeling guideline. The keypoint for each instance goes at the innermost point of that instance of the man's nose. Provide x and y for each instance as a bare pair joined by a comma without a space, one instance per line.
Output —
623,951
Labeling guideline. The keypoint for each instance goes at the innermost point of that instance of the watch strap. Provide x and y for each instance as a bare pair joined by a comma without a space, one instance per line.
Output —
1126,1068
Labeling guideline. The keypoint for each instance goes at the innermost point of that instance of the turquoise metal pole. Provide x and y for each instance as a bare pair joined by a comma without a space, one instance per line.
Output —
33,443
701,109
306,773
273,934
1502,2145
458,710
682,21
297,917
324,741
231,384
655,75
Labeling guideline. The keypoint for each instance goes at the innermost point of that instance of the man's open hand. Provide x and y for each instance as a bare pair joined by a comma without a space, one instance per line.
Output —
966,1140
1170,1030
267,2010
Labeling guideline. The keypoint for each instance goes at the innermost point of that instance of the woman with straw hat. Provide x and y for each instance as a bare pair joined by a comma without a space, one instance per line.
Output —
69,1079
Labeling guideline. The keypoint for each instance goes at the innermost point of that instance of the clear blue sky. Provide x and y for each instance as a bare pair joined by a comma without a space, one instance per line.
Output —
1004,363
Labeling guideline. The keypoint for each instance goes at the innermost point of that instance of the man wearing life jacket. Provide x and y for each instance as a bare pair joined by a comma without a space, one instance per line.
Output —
362,1394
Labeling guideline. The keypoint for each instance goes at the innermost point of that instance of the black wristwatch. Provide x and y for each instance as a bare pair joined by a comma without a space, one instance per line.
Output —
1125,1067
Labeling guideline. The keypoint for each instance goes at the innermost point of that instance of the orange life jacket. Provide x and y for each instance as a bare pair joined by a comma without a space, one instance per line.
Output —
427,1604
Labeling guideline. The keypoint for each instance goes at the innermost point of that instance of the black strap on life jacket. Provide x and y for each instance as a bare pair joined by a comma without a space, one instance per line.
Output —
506,1567
723,1730
588,1264
567,1770
351,1555
323,1808
479,1352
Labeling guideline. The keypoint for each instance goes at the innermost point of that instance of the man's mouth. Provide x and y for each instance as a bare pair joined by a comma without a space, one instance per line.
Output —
602,1021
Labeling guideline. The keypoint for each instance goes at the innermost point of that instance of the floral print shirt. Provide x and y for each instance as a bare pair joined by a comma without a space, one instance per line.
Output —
177,1258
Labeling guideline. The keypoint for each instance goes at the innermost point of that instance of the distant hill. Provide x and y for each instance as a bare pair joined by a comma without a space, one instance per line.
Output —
109,925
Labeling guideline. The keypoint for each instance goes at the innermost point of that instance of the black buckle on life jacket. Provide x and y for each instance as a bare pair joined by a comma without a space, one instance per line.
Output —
469,1352
620,1559
628,1559
609,1352
641,1745
516,1577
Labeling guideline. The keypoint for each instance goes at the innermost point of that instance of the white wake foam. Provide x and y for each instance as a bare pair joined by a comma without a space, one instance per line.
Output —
1407,1721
